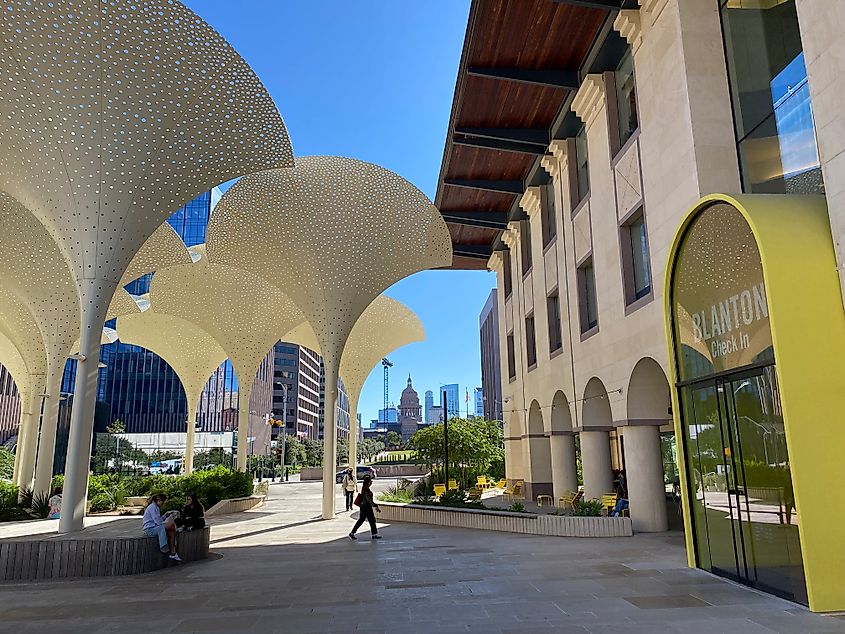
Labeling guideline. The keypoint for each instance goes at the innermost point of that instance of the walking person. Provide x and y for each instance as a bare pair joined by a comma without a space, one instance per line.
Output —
163,528
366,503
350,487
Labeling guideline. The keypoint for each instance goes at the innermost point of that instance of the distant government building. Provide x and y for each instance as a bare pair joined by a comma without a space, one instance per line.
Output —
659,186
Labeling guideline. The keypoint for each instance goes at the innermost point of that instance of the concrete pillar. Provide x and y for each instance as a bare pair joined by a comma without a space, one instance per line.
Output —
27,439
595,463
564,466
190,434
95,295
539,480
47,443
330,365
644,473
243,423
353,432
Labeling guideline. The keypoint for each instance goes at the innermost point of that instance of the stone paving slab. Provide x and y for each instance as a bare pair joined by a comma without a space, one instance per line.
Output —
282,569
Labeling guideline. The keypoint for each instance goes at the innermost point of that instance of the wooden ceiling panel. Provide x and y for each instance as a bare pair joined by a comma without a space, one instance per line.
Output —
465,199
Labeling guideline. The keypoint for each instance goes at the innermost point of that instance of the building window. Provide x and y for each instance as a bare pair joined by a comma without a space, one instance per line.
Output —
773,115
507,273
511,357
525,245
553,310
626,99
635,261
587,296
530,341
582,175
547,201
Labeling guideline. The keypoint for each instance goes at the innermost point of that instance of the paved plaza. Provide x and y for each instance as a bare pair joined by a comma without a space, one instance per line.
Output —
280,568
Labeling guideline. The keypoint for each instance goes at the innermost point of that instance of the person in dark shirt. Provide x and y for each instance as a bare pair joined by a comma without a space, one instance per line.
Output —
193,513
366,503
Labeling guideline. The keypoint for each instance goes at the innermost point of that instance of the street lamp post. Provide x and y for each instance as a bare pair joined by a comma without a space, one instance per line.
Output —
284,387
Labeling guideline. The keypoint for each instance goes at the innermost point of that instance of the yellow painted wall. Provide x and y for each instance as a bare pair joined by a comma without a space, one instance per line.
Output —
808,331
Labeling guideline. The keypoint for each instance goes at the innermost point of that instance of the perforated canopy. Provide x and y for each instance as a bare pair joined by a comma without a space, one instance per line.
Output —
345,231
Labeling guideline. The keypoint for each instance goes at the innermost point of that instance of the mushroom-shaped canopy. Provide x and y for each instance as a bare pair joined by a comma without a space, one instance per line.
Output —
342,229
241,311
385,326
19,326
117,113
162,249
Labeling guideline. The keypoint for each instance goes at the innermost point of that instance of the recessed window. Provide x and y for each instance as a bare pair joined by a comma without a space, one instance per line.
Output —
588,306
635,260
626,99
773,111
582,175
548,213
530,341
511,357
507,272
553,310
525,245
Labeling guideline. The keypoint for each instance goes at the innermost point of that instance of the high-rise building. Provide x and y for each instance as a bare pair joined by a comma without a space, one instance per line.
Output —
298,368
491,368
478,395
387,416
10,406
435,414
429,403
453,399
410,412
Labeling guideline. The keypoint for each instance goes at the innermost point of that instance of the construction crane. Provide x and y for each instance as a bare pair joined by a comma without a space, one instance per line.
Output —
386,364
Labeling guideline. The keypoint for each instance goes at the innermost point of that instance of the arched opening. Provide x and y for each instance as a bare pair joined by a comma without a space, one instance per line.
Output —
539,459
562,447
597,423
649,443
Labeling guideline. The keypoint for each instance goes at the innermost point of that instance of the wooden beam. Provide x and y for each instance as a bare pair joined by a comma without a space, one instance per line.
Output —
553,78
497,144
484,219
536,136
476,251
502,186
610,5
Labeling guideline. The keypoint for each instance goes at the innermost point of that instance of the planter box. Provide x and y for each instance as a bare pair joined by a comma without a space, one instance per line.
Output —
505,521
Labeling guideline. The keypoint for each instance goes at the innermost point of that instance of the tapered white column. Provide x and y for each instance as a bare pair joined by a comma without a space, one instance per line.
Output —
644,474
47,441
27,439
353,432
564,465
96,295
243,424
595,463
330,437
190,435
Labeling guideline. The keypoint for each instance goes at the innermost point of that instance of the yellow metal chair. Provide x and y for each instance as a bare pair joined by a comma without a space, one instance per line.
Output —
568,500
608,502
515,492
544,499
482,483
439,489
453,485
503,484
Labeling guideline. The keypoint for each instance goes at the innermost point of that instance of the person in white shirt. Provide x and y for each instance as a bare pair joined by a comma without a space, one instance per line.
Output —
350,486
163,528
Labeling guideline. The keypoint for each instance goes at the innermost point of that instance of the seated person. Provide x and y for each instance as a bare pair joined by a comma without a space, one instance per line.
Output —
55,505
193,514
621,505
160,527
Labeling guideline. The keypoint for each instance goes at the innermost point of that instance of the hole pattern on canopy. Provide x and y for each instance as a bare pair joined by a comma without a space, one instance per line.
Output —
20,327
242,312
341,229
192,353
35,270
382,328
12,360
163,248
115,112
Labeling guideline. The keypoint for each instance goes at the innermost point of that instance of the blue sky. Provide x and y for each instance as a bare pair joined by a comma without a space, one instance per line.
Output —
373,80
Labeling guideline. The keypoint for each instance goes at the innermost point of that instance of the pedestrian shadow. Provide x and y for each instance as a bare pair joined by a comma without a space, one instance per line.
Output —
264,531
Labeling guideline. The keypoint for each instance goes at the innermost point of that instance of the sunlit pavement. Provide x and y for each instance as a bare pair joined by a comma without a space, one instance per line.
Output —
280,568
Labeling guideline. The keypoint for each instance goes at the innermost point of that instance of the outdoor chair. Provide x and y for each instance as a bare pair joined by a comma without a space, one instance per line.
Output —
439,489
608,502
544,499
568,500
482,483
453,485
475,494
503,484
515,492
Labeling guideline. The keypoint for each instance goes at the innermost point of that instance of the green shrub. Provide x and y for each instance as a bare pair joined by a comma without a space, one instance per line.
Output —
456,496
400,493
517,507
588,508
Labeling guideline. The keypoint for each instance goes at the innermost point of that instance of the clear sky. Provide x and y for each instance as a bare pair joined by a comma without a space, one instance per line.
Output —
373,80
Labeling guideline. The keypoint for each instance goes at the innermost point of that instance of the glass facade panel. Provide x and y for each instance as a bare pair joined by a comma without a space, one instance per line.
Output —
626,99
589,305
525,245
639,258
555,333
549,215
771,98
530,341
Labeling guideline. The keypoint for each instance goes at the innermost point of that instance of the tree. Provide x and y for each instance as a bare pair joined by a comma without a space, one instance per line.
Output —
342,451
213,457
110,451
393,439
294,451
475,447
313,453
7,464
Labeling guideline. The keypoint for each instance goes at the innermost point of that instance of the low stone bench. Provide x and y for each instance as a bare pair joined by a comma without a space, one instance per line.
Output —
106,550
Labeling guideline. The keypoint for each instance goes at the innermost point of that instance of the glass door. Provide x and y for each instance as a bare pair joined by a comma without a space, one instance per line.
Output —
744,517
